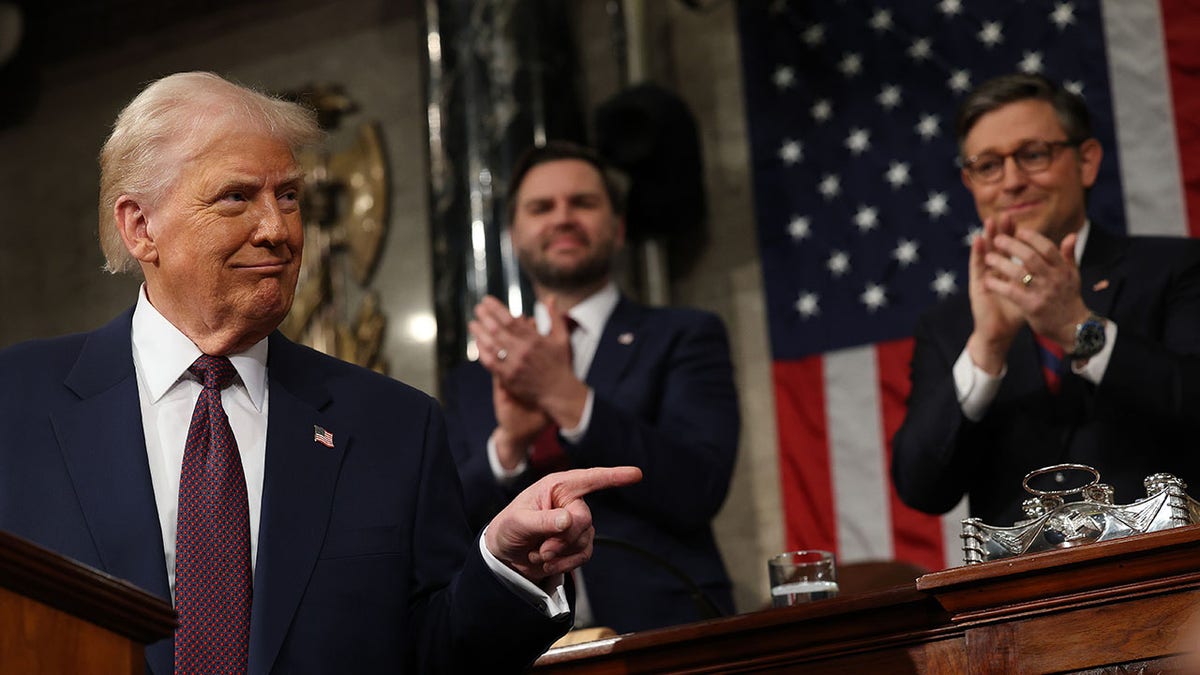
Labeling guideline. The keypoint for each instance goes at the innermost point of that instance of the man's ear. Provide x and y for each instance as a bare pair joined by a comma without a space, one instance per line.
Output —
1090,154
134,227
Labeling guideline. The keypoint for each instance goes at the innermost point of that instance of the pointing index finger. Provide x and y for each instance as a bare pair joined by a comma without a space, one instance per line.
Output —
579,482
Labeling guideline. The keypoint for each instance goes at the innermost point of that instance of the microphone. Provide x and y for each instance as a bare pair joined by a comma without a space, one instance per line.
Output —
704,605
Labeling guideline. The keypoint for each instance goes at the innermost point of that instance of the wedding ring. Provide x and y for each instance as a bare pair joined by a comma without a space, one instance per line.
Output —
501,354
1027,279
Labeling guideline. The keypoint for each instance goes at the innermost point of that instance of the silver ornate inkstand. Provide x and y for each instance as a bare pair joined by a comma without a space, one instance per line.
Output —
1053,523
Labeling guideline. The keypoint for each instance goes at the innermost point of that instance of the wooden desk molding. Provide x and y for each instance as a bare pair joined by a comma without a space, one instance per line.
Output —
59,616
1114,607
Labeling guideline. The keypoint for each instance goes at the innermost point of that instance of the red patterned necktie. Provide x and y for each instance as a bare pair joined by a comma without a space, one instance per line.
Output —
1051,358
212,545
547,454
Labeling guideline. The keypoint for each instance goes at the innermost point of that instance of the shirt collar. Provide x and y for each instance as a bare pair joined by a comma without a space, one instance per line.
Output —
591,314
1081,238
163,355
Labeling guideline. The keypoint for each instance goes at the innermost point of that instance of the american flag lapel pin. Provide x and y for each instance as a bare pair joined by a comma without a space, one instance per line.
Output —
625,338
322,436
1100,285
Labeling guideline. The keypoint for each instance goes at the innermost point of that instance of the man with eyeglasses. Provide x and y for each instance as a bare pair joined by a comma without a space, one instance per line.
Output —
1073,344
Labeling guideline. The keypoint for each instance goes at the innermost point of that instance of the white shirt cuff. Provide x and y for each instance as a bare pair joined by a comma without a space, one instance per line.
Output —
1093,369
553,604
577,433
502,474
976,389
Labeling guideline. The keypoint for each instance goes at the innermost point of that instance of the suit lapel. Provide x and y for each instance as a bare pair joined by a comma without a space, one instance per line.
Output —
1100,273
104,448
618,344
297,495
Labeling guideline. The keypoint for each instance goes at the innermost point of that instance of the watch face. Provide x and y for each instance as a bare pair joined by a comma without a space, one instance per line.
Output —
1089,338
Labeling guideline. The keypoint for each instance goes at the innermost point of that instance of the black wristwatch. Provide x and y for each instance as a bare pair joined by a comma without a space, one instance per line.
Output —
1089,338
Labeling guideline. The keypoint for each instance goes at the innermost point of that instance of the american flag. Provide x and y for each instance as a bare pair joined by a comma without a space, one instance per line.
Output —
322,436
863,221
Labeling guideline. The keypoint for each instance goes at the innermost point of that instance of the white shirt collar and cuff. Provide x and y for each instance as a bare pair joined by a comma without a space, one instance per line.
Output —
977,389
554,603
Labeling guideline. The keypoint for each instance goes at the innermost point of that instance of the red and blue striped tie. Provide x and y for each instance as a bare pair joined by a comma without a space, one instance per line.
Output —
1052,362
212,545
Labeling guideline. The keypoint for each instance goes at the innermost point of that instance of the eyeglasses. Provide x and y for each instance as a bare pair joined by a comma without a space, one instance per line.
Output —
1031,157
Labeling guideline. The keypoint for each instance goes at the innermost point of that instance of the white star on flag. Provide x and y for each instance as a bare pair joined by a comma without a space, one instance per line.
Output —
1031,63
943,283
991,34
881,21
1063,15
838,263
905,252
1074,86
972,233
851,64
822,110
830,186
784,77
790,152
814,35
927,127
960,81
889,97
937,205
859,141
799,228
950,7
897,174
866,218
920,49
808,304
874,297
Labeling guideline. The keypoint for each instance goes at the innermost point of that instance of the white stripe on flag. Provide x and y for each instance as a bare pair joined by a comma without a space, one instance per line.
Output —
1145,124
952,533
860,477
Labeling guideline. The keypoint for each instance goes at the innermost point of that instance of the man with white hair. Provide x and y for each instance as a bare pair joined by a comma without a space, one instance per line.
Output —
303,514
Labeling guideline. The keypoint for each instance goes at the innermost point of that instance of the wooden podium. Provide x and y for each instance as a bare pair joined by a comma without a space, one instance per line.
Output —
58,616
1114,607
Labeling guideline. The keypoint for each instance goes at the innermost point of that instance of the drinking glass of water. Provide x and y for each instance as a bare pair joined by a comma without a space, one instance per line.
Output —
802,576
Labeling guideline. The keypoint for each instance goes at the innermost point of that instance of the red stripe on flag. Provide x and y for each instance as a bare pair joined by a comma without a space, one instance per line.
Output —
1181,25
916,536
804,467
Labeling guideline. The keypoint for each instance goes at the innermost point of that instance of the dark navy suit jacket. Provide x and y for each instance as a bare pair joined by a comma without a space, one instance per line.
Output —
664,401
1143,418
365,560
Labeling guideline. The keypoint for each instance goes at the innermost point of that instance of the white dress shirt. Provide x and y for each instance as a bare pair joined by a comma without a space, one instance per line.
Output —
167,393
977,389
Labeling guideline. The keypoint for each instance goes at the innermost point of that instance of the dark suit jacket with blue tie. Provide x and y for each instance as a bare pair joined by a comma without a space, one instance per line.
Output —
1143,417
365,560
664,401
